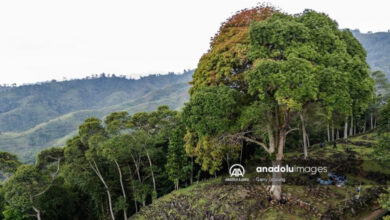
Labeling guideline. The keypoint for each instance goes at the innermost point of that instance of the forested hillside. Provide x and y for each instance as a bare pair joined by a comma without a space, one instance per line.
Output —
34,117
377,46
24,107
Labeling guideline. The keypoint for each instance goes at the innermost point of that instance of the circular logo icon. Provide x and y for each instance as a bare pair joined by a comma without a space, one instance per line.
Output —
236,170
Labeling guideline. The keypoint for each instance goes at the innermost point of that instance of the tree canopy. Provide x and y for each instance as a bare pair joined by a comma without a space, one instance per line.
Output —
274,66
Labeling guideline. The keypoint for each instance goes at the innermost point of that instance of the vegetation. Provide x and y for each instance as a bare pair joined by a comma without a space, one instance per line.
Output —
214,199
37,116
272,87
291,63
113,168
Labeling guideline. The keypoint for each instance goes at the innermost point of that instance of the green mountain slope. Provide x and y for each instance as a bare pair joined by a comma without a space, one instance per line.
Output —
55,131
377,46
24,107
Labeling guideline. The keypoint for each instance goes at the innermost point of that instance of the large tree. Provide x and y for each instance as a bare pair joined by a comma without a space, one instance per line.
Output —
264,68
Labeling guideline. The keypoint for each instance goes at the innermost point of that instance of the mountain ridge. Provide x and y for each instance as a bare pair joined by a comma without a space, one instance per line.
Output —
377,46
23,107
54,131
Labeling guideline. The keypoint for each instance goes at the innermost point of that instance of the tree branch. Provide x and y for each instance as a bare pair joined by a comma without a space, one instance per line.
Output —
291,130
241,136
255,142
97,172
52,180
58,169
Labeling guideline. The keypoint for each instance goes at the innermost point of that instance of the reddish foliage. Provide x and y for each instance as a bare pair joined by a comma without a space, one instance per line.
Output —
227,59
242,20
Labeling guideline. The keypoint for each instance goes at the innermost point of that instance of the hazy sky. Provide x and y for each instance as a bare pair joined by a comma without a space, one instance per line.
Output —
44,40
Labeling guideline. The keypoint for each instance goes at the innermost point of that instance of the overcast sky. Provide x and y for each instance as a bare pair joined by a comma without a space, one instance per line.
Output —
44,40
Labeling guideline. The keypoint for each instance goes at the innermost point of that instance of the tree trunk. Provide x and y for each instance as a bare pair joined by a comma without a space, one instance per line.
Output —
138,173
151,170
282,141
276,188
227,160
364,127
97,172
38,212
192,171
110,204
337,134
177,184
351,127
242,146
133,189
328,130
346,130
271,138
122,187
304,138
102,209
137,170
332,132
371,121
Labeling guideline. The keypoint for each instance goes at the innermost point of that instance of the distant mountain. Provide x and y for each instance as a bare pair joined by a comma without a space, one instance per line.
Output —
24,107
34,117
377,46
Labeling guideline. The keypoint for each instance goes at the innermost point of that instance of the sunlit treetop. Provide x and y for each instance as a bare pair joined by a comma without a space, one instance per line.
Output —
239,23
331,58
227,56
